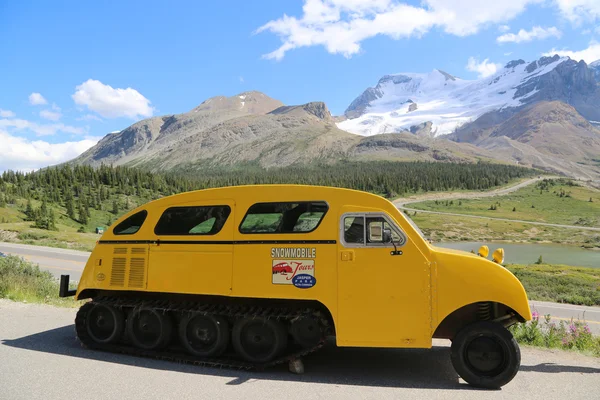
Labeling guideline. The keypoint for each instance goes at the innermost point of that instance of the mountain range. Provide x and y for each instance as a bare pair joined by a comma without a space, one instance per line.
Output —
541,113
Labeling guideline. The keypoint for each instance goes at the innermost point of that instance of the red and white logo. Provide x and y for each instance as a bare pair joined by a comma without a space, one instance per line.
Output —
285,270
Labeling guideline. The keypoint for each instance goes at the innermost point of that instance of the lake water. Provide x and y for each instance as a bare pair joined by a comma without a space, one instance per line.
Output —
517,253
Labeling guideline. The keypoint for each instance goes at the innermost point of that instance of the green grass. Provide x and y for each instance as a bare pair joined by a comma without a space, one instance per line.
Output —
15,228
573,208
449,228
21,280
559,283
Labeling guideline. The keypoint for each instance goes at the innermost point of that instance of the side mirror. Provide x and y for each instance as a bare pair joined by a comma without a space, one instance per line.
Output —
387,236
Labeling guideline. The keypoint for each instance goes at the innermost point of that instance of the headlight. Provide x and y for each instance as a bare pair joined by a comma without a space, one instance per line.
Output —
498,256
483,251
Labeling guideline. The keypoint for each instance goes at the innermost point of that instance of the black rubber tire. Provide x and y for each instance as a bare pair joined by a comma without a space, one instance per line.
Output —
269,334
151,323
471,350
103,316
217,342
306,332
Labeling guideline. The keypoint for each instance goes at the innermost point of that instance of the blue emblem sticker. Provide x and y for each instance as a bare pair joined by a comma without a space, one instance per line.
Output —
304,281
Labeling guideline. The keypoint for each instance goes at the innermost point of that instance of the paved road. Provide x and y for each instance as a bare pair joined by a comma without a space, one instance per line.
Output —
568,312
469,195
41,359
57,261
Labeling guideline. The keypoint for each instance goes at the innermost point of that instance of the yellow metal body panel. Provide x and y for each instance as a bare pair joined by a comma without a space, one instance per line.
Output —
376,299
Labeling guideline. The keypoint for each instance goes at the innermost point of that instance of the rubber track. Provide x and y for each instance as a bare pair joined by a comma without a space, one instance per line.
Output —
206,309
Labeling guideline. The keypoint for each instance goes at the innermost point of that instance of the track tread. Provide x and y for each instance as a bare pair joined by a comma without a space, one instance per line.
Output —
206,309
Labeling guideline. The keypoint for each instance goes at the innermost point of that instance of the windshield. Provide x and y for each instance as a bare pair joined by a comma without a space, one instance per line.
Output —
412,223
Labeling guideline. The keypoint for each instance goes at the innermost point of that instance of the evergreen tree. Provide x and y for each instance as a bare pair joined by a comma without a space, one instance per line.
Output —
83,217
115,207
29,211
70,206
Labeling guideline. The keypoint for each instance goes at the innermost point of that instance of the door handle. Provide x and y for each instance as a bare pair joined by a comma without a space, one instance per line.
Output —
396,252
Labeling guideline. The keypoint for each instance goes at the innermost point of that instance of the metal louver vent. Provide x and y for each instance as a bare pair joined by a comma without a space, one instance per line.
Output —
117,275
138,250
136,272
120,250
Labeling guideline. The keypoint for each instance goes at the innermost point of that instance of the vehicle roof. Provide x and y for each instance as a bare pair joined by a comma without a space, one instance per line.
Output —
273,192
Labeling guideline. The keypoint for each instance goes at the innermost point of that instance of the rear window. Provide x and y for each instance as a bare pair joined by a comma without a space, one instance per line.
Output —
292,217
132,224
196,220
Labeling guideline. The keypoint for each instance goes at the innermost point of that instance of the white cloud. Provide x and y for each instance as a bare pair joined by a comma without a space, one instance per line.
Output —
26,155
55,107
241,78
6,113
504,28
591,54
341,25
89,117
578,11
484,68
508,53
537,32
112,103
40,129
36,99
51,115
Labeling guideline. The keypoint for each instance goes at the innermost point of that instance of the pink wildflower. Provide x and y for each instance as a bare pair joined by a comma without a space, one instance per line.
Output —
587,329
572,328
535,316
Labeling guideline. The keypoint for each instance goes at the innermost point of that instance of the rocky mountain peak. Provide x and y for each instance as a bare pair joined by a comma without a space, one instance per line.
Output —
316,109
251,102
514,63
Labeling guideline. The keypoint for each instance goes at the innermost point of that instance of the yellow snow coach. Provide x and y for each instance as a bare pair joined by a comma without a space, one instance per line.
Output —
252,276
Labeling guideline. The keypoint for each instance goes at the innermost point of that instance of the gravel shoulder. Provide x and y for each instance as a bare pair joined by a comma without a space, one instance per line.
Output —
41,358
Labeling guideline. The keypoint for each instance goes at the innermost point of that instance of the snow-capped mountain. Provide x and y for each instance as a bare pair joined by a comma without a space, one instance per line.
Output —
405,100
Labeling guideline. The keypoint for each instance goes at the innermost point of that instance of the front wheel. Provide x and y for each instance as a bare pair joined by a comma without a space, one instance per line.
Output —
485,354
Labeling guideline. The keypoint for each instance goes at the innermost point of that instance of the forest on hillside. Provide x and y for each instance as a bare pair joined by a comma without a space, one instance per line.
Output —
75,191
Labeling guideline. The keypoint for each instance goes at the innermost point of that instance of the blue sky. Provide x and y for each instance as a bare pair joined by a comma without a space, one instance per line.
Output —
73,71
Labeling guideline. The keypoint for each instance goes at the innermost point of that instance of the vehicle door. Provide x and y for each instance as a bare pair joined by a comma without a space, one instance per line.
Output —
383,287
192,251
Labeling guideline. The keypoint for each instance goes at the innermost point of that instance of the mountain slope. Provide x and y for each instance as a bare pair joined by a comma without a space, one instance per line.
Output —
549,135
153,135
401,101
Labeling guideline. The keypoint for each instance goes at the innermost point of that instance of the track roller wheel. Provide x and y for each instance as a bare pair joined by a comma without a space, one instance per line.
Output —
204,335
104,324
485,354
259,340
306,332
149,329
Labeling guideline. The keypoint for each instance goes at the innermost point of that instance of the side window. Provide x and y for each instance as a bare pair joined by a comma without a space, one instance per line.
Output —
375,228
354,230
132,224
195,220
296,217
371,234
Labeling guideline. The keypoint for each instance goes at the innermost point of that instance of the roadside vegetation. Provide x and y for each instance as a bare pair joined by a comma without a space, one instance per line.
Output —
559,283
63,206
21,280
542,332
